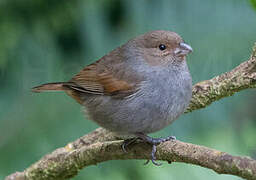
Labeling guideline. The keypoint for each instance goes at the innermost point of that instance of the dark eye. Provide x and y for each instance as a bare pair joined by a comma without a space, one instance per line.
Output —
162,47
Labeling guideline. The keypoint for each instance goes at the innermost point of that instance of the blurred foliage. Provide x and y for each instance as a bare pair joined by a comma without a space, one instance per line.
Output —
253,2
50,40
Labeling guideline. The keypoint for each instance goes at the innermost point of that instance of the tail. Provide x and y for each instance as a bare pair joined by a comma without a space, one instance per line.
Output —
58,86
70,88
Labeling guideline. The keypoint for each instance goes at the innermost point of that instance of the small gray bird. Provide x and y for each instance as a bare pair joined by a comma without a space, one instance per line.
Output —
136,89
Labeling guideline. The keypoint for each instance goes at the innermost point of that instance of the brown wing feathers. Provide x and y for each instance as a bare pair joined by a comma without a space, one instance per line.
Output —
91,81
113,85
99,82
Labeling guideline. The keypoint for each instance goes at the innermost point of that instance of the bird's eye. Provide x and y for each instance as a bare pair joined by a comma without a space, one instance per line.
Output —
162,47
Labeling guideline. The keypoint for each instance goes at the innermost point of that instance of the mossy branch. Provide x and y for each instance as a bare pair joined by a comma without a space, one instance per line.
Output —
101,145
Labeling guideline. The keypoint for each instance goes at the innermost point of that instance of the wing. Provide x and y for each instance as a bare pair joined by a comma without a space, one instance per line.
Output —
99,78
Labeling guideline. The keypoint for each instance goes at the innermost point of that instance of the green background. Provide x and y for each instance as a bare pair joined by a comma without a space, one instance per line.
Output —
51,40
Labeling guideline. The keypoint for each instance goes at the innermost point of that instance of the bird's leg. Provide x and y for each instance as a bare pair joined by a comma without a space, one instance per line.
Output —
154,142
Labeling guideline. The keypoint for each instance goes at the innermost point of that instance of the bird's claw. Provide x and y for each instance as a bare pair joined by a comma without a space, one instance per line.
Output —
153,141
126,143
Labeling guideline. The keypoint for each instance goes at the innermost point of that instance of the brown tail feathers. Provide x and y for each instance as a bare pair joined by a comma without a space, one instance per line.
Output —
58,86
69,87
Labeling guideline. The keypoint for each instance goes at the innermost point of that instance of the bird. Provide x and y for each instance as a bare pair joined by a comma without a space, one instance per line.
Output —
138,88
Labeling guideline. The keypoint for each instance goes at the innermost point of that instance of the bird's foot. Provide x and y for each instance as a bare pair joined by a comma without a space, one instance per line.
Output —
154,142
128,142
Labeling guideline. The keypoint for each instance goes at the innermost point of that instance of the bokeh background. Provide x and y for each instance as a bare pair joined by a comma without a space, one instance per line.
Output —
50,40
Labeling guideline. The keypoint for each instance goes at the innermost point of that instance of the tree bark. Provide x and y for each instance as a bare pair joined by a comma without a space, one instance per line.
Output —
102,145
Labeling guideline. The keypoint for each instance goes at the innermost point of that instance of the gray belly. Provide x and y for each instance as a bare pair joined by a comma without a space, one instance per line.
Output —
152,108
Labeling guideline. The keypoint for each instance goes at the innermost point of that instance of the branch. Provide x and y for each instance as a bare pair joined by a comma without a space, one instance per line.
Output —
224,85
102,145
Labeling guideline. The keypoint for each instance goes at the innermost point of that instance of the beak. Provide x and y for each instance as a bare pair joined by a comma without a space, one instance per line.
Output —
183,50
186,47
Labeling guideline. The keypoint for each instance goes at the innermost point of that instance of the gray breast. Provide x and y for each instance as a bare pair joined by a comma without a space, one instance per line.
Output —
164,99
160,100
